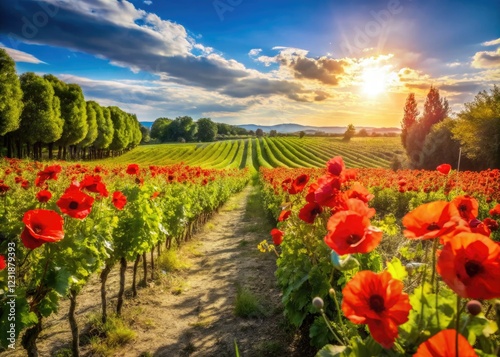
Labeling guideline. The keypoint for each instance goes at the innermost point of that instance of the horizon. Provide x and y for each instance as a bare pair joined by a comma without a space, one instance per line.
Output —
315,64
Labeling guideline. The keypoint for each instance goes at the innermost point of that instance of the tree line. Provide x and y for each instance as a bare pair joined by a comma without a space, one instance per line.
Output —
43,111
472,139
185,129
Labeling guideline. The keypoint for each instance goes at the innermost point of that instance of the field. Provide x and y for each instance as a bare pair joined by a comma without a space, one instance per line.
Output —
268,152
172,233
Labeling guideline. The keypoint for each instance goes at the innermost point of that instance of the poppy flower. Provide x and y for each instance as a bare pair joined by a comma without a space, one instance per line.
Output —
468,207
443,344
350,232
359,191
42,226
360,207
431,220
476,226
284,214
444,168
327,193
335,166
43,196
3,264
286,184
3,188
470,265
94,184
309,212
495,211
277,236
119,200
490,223
377,300
132,169
298,184
75,203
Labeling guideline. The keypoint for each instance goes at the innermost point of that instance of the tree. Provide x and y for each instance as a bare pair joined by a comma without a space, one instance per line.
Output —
40,118
223,129
259,132
11,95
105,129
410,117
349,133
478,129
159,129
438,147
435,109
181,128
302,134
73,112
362,133
273,133
92,126
121,136
146,138
207,129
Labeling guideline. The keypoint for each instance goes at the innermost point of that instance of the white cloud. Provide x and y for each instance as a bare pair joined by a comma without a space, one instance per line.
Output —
20,56
492,42
148,2
254,52
486,59
453,64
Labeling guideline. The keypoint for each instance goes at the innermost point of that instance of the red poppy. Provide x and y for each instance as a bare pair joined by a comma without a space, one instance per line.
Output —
470,265
327,193
3,264
444,168
495,211
284,214
285,184
360,207
42,226
335,166
277,236
298,184
3,188
443,344
431,220
119,200
490,223
133,169
359,191
75,203
476,226
467,206
310,211
43,196
350,232
94,184
49,173
377,300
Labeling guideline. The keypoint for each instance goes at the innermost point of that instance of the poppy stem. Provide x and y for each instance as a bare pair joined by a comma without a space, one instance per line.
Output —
328,324
339,316
457,327
434,249
424,273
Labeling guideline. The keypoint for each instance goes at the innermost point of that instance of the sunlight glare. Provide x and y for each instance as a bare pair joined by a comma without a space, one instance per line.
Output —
374,81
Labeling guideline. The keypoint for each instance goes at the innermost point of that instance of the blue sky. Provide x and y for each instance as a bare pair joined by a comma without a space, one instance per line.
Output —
314,62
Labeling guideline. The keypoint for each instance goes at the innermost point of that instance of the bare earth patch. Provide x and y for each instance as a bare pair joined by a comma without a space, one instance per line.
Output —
192,312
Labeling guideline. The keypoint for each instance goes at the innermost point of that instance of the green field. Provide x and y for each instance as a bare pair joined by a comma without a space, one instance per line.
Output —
268,152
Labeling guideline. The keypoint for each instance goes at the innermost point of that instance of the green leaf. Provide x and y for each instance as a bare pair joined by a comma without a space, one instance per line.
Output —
396,269
331,351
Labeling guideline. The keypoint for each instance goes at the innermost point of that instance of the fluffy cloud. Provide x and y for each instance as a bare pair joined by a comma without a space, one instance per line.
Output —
139,40
486,59
492,42
20,56
254,52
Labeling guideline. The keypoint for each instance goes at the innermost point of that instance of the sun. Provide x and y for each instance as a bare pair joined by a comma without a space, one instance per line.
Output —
374,81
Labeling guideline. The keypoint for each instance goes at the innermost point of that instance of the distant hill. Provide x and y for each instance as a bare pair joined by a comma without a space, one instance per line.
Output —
293,128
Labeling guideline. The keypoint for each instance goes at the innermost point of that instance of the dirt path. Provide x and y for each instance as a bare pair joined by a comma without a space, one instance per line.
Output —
192,313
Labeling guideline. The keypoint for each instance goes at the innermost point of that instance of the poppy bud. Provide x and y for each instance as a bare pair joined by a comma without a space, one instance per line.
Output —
332,293
318,302
474,307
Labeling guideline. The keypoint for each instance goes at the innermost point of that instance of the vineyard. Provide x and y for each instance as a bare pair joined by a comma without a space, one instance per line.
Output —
369,261
268,152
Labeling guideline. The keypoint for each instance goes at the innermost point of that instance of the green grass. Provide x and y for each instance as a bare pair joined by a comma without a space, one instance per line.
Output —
267,152
248,304
106,338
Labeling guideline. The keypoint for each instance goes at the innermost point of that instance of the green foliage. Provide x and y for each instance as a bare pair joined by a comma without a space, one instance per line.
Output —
349,133
73,111
247,304
105,129
11,104
121,138
182,128
410,117
40,121
92,125
478,129
207,129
